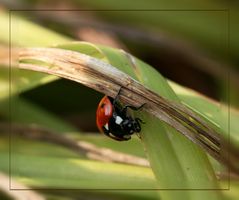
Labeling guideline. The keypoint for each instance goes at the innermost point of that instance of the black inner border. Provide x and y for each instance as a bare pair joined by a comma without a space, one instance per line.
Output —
99,10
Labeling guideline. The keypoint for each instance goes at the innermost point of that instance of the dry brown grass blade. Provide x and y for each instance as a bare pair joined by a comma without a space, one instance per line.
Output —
22,194
107,79
87,149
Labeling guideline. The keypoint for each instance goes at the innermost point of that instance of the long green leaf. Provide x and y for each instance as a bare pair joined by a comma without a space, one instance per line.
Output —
161,141
72,173
23,111
172,157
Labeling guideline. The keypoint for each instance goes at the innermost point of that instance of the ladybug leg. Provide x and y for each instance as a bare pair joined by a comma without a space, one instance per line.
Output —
139,120
139,136
124,110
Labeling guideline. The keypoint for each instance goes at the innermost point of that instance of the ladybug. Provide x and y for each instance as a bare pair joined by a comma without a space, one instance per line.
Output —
113,120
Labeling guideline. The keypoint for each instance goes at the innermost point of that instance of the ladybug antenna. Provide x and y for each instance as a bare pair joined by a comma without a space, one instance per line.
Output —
117,96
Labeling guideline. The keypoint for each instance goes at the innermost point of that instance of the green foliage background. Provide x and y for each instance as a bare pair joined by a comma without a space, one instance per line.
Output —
47,101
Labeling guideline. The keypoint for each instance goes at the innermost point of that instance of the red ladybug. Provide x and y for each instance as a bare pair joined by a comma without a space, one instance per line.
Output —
113,120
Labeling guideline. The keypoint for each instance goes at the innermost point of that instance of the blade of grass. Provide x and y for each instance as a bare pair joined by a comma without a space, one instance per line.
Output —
199,176
25,146
204,107
211,110
166,109
25,112
51,166
72,173
19,195
20,25
25,37
171,156
80,147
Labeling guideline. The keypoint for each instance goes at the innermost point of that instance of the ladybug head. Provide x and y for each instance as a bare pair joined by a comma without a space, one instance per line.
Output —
131,126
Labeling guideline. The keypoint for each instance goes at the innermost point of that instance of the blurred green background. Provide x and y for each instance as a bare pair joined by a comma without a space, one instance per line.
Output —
192,43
